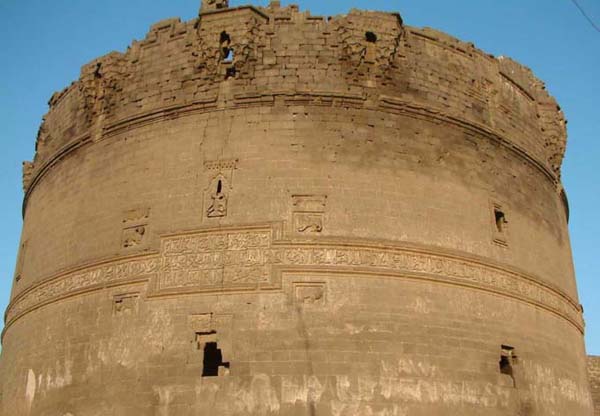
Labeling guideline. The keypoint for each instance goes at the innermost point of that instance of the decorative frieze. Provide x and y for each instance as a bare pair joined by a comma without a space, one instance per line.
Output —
82,280
242,259
210,260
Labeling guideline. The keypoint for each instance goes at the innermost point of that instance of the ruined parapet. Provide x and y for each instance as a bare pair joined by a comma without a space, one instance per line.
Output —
363,54
261,211
209,5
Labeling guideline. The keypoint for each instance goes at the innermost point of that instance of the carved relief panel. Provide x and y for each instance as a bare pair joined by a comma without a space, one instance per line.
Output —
216,195
135,228
308,213
309,294
125,304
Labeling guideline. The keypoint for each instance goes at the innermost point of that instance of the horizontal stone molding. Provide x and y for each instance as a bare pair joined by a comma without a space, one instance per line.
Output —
387,104
59,155
252,258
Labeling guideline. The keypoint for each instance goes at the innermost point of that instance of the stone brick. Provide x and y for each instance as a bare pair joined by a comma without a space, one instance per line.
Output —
341,216
594,374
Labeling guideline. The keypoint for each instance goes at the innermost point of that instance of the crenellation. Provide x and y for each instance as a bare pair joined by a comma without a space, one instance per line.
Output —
210,5
267,53
260,211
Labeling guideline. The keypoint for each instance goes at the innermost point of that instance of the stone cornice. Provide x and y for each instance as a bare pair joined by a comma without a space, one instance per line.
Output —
389,104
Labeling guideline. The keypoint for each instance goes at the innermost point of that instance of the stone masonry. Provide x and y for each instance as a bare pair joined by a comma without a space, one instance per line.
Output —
594,371
265,212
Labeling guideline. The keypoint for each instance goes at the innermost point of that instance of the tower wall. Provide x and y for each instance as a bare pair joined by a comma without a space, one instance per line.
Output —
594,372
363,217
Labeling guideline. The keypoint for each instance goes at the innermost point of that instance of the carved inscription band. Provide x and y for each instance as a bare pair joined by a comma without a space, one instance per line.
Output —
251,259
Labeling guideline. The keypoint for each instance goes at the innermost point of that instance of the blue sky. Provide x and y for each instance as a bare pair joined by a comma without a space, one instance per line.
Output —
44,44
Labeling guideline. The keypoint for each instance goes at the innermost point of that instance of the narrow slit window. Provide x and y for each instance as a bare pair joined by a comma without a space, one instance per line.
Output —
500,219
219,186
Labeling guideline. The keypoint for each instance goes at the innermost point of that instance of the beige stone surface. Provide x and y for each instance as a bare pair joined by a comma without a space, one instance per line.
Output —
594,372
264,212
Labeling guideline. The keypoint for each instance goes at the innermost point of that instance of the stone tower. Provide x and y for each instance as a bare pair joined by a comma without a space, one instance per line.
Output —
264,212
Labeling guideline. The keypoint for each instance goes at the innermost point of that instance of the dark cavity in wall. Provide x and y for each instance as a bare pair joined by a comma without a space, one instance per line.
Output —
500,219
508,359
213,359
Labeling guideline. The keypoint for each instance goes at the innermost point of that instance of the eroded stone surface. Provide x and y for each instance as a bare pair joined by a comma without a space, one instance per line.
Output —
264,212
594,371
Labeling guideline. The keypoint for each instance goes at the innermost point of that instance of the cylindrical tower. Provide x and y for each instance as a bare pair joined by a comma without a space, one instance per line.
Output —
264,212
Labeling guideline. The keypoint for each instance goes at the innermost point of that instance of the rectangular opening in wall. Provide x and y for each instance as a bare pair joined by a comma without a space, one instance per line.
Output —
508,359
213,364
213,359
500,219
499,224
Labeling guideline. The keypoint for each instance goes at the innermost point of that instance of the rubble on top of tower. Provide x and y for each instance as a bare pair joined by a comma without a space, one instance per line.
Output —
208,5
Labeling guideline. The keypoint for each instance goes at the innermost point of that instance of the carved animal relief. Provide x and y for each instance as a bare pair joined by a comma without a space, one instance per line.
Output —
125,304
135,228
308,213
309,294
